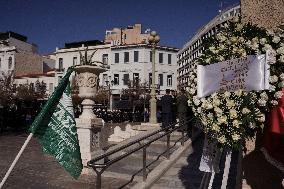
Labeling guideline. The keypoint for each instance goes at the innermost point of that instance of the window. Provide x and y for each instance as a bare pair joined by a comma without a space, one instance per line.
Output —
150,78
125,79
50,88
104,79
74,61
136,56
135,78
161,79
150,56
160,57
60,65
169,59
116,57
126,56
105,58
10,63
116,79
59,79
169,80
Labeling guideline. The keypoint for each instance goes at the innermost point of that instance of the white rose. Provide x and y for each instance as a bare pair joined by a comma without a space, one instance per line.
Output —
238,92
272,88
278,94
230,103
245,111
216,102
222,119
261,102
227,94
236,123
235,137
196,101
276,39
235,19
273,79
261,118
264,96
281,59
233,114
280,50
210,115
252,125
274,102
234,39
267,47
282,77
222,139
215,127
262,41
218,110
199,110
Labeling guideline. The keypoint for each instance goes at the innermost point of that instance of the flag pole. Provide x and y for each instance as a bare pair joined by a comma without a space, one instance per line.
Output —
16,160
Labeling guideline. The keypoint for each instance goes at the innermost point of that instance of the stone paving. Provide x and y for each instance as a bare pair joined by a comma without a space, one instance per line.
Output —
38,171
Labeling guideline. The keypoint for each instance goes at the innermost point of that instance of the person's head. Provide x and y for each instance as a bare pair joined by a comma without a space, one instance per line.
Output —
168,91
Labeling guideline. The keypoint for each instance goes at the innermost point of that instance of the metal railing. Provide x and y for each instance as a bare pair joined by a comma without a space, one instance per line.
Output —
99,168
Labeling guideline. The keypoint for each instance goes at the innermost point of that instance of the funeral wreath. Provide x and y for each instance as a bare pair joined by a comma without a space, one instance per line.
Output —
229,116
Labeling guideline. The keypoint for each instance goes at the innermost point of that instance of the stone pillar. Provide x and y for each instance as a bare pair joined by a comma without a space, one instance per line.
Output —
265,13
89,126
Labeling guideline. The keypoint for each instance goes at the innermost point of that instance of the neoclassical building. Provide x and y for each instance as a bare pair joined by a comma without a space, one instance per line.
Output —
193,48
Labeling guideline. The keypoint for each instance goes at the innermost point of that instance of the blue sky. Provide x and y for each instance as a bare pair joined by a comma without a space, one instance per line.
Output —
51,23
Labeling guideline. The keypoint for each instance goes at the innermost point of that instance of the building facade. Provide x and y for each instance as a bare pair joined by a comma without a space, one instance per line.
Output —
127,36
193,48
20,58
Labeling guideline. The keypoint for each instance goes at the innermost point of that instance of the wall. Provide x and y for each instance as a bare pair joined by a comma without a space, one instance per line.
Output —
264,13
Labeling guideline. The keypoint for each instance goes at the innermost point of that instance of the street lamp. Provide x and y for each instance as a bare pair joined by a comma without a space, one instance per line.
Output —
153,39
109,84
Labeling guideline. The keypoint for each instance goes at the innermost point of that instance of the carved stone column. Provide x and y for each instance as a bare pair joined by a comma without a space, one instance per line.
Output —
87,80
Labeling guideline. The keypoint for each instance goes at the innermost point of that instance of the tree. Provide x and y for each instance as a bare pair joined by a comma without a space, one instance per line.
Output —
6,88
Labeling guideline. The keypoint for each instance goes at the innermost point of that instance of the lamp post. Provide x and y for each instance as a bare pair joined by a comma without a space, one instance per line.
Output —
109,84
153,39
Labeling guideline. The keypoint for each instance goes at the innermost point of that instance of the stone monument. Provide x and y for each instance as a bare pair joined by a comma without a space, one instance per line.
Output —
89,127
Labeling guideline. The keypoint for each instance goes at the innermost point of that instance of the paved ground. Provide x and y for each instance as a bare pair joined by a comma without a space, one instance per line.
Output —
38,171
257,172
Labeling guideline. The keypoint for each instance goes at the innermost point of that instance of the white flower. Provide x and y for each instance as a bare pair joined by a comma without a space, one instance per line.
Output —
222,139
226,25
235,19
238,92
239,27
278,94
261,102
270,32
218,111
236,137
196,101
280,50
227,94
282,77
209,106
230,103
273,79
272,88
233,114
192,91
264,96
267,47
215,127
245,111
236,123
234,39
216,102
261,118
262,41
221,58
281,59
212,48
207,60
276,39
199,110
274,102
222,119
210,115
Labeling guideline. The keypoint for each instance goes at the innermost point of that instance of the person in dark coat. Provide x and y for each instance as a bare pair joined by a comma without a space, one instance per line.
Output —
182,109
167,109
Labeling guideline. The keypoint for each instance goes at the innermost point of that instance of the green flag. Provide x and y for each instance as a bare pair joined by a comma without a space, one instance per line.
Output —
55,128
